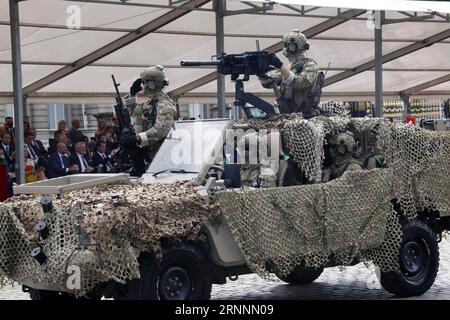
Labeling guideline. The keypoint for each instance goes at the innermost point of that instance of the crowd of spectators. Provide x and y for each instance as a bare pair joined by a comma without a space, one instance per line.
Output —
70,151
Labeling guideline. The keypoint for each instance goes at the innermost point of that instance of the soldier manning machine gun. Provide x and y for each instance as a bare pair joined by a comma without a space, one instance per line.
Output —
245,64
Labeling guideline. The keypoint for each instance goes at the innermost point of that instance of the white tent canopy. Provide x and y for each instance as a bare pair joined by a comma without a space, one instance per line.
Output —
386,5
48,45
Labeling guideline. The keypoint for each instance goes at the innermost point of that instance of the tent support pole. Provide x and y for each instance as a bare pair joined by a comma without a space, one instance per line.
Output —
17,88
220,48
379,15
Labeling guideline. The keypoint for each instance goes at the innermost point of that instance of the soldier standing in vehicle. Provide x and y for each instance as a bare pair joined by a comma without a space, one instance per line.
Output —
152,119
298,85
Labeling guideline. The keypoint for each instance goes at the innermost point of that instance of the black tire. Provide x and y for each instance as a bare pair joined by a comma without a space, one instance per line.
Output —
301,275
183,266
419,262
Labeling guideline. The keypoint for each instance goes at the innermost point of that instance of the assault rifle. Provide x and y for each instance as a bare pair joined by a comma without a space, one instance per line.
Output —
122,114
126,154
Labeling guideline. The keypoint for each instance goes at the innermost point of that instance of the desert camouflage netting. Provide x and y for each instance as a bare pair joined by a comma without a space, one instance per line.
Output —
97,230
338,108
350,217
287,225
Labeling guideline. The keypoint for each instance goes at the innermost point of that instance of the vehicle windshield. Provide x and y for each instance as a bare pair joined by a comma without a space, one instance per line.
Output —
188,146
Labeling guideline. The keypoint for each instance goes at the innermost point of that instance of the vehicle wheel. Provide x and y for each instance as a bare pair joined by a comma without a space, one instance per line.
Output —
182,275
419,262
301,275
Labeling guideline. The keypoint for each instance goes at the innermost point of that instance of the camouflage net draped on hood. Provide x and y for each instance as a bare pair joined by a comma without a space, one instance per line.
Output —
96,229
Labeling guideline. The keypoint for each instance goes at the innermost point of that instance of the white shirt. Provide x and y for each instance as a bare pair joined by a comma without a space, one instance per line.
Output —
7,149
108,165
83,162
62,162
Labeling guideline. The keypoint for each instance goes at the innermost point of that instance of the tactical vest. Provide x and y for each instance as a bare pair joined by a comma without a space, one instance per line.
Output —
337,171
306,100
150,114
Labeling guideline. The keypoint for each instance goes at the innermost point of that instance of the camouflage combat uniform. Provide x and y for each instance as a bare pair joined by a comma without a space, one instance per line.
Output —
342,150
301,90
295,91
153,119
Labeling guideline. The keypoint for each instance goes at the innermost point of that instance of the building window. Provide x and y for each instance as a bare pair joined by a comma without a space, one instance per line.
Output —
9,110
55,114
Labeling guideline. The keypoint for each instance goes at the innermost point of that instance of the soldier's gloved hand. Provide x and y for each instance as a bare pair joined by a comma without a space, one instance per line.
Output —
128,140
266,81
275,61
136,87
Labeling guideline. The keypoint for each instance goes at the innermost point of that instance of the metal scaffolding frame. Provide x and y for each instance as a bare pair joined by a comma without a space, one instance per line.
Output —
177,10
390,56
115,45
310,33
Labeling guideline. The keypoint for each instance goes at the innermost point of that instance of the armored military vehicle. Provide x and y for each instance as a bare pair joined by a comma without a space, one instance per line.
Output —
204,212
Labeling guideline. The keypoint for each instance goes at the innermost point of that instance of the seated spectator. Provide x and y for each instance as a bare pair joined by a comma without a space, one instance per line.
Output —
5,178
61,129
75,134
8,151
80,159
62,138
9,127
101,160
111,139
26,126
92,147
39,159
101,129
116,127
2,131
38,145
59,163
33,172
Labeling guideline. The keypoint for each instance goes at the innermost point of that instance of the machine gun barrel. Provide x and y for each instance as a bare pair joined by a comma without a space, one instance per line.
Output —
197,63
240,67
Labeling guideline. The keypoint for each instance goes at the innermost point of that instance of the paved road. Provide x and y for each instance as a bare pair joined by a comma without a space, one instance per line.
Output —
357,282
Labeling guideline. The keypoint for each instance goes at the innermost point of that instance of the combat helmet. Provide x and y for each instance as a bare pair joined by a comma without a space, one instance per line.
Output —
294,42
154,79
343,143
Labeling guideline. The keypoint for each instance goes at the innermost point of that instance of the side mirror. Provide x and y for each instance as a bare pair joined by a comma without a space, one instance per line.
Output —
232,175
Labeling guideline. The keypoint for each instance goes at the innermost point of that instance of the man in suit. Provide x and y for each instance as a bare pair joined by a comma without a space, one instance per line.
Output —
39,159
38,145
79,158
75,134
8,151
59,164
61,138
9,127
101,159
